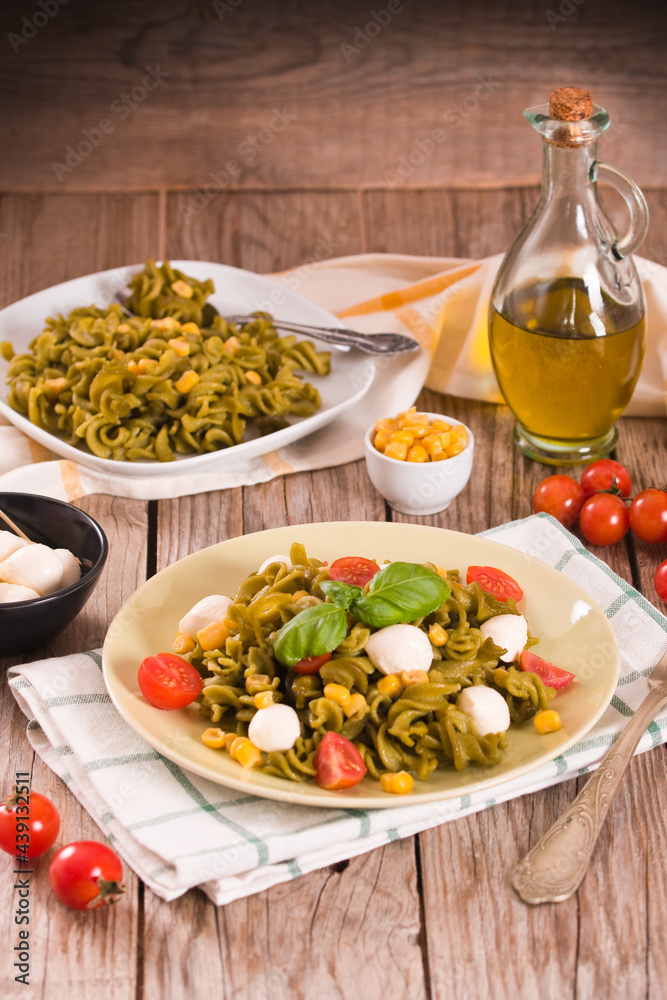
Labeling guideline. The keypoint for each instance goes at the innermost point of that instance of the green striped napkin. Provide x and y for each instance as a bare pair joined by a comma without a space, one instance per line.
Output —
177,830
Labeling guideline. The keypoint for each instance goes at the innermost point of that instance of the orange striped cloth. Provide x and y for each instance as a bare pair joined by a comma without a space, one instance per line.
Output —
441,302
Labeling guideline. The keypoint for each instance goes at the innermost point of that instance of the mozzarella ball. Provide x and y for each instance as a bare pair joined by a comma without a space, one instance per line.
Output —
274,559
71,566
11,592
275,727
209,609
510,632
487,709
399,647
35,566
9,542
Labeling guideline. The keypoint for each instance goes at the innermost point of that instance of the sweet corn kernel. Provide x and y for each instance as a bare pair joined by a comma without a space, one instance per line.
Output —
232,344
257,682
132,366
440,425
168,323
417,454
404,437
547,721
186,382
124,328
182,288
441,572
406,414
298,594
409,677
400,783
456,448
356,704
397,449
183,644
54,385
146,365
214,738
230,739
382,439
437,634
432,444
190,328
253,377
179,345
499,676
245,752
337,693
387,424
417,430
263,699
212,636
390,685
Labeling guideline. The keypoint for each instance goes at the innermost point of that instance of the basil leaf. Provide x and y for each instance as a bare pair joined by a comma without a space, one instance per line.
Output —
342,594
313,631
400,592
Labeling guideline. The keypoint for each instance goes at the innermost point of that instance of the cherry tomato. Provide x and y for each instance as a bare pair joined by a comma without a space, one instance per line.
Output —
353,569
660,581
28,828
311,664
553,676
338,763
168,681
600,476
86,874
495,582
604,519
560,496
648,515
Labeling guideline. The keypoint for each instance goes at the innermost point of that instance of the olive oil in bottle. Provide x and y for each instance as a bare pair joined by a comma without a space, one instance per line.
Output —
563,374
567,311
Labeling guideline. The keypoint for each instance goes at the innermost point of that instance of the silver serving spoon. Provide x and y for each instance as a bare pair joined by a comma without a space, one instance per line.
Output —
369,343
554,869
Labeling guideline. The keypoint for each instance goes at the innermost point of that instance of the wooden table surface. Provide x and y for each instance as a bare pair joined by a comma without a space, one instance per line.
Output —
431,916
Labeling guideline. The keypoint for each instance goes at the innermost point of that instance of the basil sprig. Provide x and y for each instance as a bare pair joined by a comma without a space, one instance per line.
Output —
401,592
314,631
342,594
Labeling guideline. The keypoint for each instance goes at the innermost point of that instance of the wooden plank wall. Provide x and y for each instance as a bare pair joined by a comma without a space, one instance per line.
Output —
333,93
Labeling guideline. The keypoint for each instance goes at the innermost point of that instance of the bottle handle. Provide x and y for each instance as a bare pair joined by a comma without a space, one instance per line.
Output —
636,203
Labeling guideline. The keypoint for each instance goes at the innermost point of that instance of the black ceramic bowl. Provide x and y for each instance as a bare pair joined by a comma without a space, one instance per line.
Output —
25,625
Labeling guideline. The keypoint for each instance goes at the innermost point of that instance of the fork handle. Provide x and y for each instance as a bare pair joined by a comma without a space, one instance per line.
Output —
554,869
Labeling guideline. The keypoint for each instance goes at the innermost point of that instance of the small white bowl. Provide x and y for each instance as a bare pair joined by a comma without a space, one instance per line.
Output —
419,488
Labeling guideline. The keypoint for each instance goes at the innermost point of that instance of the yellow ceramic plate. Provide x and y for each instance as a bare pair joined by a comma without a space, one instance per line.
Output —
573,632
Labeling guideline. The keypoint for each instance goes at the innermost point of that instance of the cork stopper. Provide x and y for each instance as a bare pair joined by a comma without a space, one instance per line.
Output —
570,104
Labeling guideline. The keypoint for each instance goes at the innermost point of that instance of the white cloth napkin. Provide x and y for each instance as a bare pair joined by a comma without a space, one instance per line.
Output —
178,830
441,302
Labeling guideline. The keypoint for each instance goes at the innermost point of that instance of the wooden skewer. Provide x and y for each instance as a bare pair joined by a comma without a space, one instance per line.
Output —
15,527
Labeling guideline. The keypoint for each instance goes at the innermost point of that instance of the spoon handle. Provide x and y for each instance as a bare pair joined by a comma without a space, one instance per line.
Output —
554,869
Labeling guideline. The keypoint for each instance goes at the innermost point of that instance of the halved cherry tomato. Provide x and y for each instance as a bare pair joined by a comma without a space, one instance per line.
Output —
353,569
604,519
338,763
553,676
495,582
604,475
86,874
168,681
311,664
29,825
560,496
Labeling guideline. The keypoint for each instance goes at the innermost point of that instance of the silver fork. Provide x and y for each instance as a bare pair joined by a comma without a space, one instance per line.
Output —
554,869
369,343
